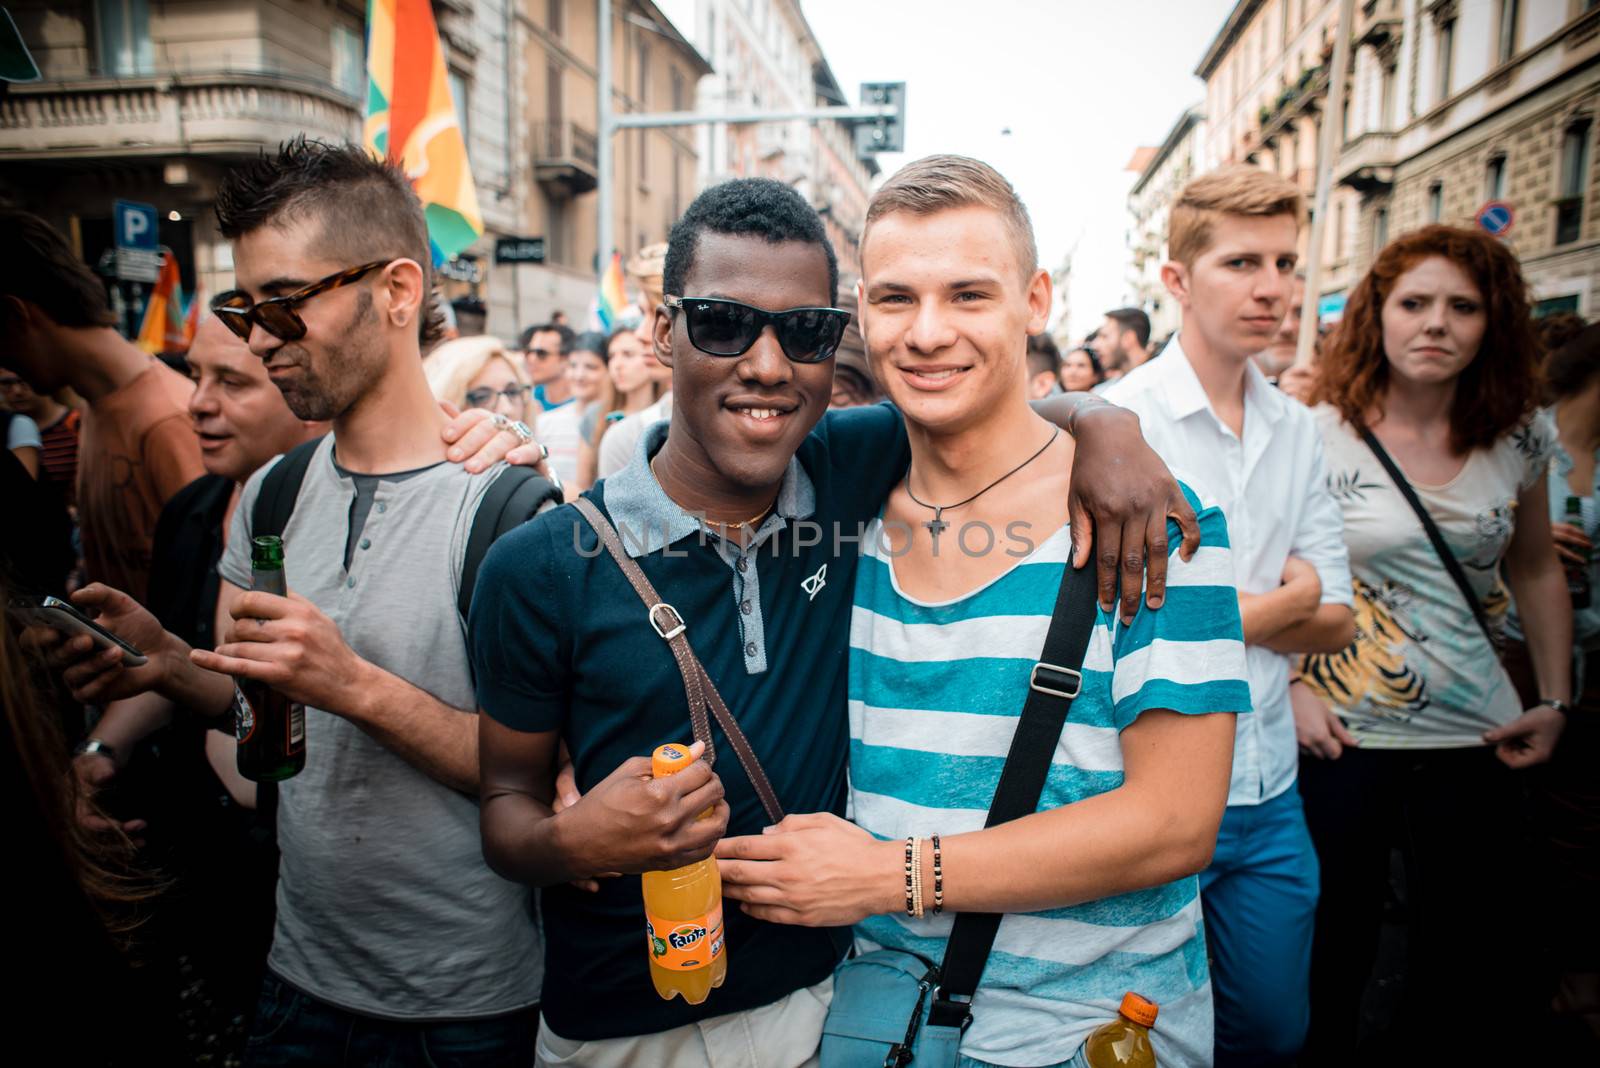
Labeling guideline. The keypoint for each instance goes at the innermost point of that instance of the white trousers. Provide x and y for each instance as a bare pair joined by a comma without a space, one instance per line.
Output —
785,1034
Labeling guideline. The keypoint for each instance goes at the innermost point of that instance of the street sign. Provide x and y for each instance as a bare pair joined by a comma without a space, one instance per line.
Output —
137,238
462,268
884,134
519,250
1496,217
136,225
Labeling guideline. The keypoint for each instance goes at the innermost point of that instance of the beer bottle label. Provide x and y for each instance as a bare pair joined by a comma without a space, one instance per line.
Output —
244,717
684,945
297,725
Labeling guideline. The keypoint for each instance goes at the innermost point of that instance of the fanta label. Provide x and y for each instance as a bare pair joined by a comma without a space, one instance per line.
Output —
684,945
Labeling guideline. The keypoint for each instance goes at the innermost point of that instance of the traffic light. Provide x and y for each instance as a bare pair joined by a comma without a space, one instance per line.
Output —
886,134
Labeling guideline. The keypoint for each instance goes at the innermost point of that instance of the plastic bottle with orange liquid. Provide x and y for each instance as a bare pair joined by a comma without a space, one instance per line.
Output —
1125,1041
683,914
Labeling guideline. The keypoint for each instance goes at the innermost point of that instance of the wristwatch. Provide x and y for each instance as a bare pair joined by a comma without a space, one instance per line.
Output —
1564,707
97,747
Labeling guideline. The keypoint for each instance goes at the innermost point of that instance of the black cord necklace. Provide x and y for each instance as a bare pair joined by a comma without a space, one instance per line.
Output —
937,525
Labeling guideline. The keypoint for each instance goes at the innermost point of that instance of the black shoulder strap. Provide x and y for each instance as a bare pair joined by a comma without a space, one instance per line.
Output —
516,494
1440,546
280,488
1054,682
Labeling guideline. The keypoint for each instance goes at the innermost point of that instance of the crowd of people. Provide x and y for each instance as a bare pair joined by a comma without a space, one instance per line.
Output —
1333,720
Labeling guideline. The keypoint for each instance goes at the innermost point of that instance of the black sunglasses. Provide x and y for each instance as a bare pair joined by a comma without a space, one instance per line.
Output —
728,328
483,396
277,315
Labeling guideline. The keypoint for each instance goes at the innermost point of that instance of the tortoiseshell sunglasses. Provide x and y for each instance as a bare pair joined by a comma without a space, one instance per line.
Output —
276,315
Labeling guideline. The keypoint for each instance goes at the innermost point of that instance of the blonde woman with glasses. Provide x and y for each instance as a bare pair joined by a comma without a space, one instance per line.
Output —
478,372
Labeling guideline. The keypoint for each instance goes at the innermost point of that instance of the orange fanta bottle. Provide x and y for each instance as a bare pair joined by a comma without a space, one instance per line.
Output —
1125,1041
683,914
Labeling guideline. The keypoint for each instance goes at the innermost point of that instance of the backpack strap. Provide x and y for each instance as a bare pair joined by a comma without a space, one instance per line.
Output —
515,496
280,488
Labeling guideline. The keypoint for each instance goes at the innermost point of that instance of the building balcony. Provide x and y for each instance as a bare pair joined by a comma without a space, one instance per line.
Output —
1302,98
566,159
223,114
1366,164
1377,22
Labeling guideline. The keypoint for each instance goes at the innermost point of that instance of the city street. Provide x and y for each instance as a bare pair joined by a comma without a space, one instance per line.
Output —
364,359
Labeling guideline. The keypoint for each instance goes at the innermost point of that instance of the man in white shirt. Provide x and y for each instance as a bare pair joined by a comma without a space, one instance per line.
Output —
1211,415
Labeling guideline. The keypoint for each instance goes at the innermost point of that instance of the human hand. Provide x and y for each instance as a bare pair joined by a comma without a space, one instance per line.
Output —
632,822
1571,544
814,870
1121,497
1318,730
1529,739
289,644
1297,381
96,675
1307,584
478,444
94,772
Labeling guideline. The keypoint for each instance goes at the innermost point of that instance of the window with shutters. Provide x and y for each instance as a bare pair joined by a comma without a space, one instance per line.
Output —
1574,181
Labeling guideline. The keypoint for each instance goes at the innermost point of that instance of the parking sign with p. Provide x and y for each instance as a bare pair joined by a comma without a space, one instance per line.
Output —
137,240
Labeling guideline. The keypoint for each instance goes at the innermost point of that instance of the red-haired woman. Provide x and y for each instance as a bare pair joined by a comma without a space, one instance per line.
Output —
1413,735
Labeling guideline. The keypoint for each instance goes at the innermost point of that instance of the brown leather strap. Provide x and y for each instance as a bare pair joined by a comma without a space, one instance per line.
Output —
699,690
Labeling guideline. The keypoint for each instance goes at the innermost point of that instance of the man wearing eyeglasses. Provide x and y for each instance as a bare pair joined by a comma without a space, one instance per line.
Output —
745,512
394,942
545,349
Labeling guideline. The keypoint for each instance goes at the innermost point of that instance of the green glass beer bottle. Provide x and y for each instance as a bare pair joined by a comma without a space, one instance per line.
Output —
271,729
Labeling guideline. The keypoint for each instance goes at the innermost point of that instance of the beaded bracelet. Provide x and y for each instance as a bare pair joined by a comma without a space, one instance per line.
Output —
916,877
938,878
911,901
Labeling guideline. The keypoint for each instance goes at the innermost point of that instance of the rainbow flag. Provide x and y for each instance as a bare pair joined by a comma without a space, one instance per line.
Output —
411,119
612,296
169,321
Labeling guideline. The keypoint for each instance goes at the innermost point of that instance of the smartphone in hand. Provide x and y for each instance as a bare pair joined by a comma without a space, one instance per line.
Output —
54,612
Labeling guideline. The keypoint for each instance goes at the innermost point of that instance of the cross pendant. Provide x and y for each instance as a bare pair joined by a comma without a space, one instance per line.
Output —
936,525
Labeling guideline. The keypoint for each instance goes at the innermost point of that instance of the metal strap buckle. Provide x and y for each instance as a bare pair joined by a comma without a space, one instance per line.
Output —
674,625
1061,677
947,1011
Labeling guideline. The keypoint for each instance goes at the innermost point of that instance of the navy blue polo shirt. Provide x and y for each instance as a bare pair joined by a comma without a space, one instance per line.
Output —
560,641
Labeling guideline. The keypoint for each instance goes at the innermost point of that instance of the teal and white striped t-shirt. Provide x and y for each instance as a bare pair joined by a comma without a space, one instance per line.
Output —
935,692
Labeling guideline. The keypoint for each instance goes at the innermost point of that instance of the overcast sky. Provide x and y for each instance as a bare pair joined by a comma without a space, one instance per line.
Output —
1079,83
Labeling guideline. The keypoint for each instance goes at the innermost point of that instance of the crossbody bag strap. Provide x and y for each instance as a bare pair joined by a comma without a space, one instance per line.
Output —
1440,546
699,690
1052,685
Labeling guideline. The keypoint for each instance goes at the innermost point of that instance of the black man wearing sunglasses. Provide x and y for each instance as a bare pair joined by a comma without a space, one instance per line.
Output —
745,512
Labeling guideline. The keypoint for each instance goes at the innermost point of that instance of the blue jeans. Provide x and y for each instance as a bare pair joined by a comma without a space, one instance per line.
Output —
292,1028
1260,902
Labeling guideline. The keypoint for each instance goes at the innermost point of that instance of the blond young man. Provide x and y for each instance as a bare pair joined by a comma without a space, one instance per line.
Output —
1098,886
1215,419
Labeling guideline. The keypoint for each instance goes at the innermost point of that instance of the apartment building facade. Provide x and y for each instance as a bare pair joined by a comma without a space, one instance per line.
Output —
654,68
153,100
766,57
1267,73
1165,170
1456,104
1450,104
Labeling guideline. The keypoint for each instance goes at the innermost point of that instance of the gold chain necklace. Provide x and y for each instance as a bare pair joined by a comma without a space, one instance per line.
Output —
740,525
